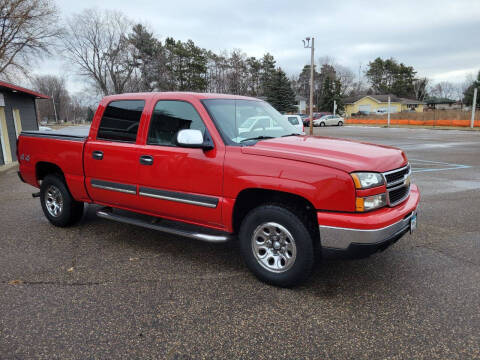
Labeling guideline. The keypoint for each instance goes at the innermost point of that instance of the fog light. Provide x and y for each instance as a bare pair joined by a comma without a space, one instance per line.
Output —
371,202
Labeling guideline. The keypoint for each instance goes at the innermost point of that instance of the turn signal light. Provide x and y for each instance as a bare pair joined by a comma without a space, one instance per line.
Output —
368,203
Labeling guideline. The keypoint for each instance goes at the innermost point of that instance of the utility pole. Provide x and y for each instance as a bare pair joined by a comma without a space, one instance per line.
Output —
474,105
334,107
388,118
54,109
306,44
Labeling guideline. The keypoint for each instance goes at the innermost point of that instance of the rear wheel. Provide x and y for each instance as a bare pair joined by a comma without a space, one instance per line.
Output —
276,245
58,204
340,123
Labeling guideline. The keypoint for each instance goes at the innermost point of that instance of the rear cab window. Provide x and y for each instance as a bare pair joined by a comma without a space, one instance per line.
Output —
120,121
293,120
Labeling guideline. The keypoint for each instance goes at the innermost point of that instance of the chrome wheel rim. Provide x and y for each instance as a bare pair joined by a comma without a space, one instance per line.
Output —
54,201
274,247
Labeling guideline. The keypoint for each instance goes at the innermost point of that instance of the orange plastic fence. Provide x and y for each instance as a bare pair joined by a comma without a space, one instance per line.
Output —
459,123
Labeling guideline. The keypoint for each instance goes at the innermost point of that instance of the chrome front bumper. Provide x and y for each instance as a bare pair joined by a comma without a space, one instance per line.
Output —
341,238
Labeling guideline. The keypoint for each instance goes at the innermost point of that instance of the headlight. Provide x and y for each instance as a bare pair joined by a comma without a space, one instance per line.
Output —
371,202
365,180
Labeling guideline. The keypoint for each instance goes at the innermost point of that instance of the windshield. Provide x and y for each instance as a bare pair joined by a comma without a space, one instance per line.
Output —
242,120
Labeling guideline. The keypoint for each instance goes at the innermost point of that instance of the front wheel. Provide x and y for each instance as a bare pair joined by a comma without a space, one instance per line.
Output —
340,123
276,245
58,204
322,124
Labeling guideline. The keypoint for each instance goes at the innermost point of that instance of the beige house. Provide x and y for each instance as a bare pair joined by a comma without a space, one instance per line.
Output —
378,104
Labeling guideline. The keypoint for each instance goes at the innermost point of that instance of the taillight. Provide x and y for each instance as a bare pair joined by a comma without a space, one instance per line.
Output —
16,151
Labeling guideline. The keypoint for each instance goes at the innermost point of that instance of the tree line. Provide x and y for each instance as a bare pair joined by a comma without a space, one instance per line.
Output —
116,55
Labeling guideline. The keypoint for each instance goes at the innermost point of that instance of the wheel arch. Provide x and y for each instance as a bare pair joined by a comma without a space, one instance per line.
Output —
44,168
251,198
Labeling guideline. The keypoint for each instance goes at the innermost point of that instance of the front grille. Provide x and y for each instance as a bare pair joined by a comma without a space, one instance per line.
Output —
398,185
397,194
398,175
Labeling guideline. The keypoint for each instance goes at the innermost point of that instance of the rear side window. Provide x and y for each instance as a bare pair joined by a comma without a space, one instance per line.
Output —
293,120
120,120
168,118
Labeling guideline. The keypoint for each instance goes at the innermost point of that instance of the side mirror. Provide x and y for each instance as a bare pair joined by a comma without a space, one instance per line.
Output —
190,138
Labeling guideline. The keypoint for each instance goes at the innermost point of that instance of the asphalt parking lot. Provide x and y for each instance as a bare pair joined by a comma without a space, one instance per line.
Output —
103,290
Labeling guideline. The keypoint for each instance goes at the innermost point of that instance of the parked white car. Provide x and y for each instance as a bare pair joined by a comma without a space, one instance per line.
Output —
257,123
329,120
296,121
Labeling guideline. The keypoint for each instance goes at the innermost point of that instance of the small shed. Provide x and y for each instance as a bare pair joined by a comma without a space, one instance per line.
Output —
18,112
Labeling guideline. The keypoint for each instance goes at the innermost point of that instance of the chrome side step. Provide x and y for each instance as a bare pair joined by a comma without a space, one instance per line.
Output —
191,232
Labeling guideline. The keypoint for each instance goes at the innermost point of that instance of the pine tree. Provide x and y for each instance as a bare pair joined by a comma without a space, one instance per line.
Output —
266,72
331,93
390,77
327,96
468,94
187,64
279,92
146,54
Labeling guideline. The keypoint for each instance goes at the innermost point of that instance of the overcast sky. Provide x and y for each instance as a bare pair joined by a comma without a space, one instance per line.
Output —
440,39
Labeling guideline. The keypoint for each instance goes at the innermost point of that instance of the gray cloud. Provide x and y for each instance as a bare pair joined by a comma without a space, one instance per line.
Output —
440,39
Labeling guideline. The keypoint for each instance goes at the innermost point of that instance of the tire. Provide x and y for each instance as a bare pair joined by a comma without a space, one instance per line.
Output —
340,123
289,257
58,204
322,124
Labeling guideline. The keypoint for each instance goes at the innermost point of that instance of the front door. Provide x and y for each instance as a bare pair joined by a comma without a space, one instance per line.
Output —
111,159
177,182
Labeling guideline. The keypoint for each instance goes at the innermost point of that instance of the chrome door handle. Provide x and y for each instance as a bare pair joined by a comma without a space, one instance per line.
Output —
97,155
146,160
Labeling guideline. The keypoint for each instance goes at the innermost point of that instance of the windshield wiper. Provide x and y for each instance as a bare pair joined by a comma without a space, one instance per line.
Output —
292,134
261,137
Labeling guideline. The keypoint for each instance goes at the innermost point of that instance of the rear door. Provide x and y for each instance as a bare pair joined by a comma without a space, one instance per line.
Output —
111,159
333,120
178,182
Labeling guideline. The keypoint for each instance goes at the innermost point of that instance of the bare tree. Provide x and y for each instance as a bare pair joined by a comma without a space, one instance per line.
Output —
444,90
55,87
339,72
28,29
97,43
420,87
326,60
346,77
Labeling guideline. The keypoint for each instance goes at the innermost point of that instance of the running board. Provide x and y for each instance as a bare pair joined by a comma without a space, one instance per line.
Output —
215,237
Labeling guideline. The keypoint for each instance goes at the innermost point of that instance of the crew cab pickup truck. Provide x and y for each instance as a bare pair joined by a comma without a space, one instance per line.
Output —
186,164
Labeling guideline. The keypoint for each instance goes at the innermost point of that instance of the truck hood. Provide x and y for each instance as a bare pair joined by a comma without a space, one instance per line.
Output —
340,154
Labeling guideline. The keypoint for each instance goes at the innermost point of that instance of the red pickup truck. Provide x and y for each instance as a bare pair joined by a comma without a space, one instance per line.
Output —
214,167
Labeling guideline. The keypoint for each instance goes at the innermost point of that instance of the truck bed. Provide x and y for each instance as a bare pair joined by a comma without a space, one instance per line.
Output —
61,148
71,133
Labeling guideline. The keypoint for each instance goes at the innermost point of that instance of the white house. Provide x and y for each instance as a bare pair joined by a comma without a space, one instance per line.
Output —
301,104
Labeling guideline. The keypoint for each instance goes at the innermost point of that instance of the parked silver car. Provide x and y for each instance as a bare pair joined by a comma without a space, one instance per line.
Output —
329,120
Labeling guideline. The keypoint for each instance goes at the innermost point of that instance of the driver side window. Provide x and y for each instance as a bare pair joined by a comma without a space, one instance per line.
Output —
168,118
